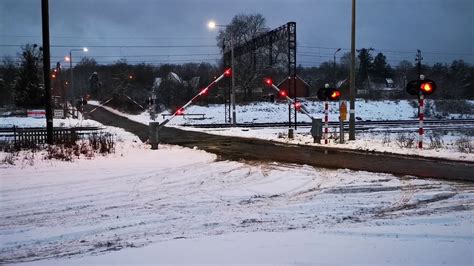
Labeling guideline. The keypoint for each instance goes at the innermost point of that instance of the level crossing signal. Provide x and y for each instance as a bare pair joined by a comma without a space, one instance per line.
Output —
329,94
426,87
56,71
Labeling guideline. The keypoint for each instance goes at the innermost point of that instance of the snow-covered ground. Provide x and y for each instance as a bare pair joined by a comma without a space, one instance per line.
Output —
180,205
41,122
439,144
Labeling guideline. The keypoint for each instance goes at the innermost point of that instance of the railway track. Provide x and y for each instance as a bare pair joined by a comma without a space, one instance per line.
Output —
390,126
360,124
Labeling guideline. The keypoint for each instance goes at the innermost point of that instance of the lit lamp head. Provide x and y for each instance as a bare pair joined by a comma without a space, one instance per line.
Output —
211,25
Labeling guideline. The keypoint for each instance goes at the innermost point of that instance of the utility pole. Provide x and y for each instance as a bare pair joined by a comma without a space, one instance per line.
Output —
232,93
352,91
418,59
46,71
334,66
71,82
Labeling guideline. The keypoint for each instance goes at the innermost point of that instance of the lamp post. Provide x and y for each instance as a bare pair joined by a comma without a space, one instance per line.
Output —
334,65
70,65
213,25
352,90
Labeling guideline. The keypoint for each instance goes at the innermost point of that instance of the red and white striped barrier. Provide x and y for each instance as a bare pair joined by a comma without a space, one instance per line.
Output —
326,121
180,111
421,131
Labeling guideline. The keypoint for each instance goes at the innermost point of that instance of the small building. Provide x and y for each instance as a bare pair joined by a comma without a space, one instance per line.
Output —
302,87
174,78
389,83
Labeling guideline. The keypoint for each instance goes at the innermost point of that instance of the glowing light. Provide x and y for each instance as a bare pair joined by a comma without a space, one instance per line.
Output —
335,95
297,105
67,58
228,72
211,24
130,77
85,49
268,81
283,93
426,87
180,111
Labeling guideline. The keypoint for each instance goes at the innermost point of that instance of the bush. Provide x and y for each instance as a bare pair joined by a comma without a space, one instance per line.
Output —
405,140
464,145
103,143
435,141
9,158
59,152
386,139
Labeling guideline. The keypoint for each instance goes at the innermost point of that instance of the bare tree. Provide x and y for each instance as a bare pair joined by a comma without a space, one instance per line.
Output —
242,29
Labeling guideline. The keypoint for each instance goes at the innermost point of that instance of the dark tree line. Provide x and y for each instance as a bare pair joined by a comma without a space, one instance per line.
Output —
22,84
454,80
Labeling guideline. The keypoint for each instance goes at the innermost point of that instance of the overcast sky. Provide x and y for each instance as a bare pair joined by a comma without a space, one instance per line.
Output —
442,29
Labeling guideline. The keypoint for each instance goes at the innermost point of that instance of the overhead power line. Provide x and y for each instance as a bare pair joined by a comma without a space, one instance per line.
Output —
388,50
118,46
150,55
109,38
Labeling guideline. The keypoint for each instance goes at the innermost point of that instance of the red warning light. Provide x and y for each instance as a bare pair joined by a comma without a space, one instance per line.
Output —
180,111
335,94
283,93
426,87
204,91
268,81
228,72
298,106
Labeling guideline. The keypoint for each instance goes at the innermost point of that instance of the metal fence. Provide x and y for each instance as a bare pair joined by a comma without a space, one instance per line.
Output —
21,136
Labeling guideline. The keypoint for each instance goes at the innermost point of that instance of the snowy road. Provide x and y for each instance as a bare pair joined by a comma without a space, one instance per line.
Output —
138,197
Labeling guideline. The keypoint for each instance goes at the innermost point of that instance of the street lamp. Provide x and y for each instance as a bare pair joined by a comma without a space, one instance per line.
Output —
352,90
213,25
70,65
334,65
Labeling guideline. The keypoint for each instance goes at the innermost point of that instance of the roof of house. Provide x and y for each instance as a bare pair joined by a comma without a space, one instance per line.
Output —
297,78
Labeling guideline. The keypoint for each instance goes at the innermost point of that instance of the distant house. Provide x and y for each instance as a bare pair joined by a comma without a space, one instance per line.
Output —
389,83
302,87
174,77
193,82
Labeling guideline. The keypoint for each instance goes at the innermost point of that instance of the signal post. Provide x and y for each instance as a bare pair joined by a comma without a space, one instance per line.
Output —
421,88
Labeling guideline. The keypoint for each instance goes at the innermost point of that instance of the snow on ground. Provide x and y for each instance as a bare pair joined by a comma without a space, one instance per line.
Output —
41,122
375,140
262,112
180,205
